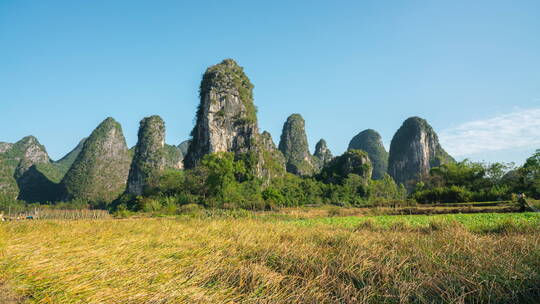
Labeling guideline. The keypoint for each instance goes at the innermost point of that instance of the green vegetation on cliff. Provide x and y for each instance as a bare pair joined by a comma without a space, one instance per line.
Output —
65,162
322,154
294,146
149,158
370,141
100,171
228,74
351,162
227,122
174,158
226,119
16,159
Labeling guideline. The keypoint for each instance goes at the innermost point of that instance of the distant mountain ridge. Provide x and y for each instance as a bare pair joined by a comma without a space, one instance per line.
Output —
101,167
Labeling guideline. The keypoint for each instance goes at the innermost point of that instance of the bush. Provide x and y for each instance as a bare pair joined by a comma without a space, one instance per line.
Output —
386,192
147,204
453,194
122,211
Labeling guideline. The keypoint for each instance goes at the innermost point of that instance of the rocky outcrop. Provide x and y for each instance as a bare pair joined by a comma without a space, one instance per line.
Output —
294,146
322,154
4,146
26,152
100,171
149,156
267,141
53,172
174,158
226,119
15,160
370,141
65,162
274,160
351,162
414,150
184,147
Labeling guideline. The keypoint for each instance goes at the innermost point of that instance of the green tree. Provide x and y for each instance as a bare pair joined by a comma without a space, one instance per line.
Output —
529,176
464,181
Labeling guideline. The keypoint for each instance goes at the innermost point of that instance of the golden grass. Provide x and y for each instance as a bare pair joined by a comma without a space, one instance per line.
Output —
220,260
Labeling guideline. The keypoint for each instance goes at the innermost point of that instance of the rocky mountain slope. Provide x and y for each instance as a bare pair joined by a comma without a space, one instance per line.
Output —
149,158
184,147
294,146
351,162
322,153
100,171
226,119
414,150
65,162
15,160
370,141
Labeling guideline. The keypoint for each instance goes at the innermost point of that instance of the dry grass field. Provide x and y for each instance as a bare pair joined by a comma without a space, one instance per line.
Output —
479,258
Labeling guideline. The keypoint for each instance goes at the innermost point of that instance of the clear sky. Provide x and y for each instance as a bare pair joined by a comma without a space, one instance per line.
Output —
471,68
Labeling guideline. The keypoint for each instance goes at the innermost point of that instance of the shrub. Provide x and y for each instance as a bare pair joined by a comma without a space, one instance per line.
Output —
122,211
147,204
453,194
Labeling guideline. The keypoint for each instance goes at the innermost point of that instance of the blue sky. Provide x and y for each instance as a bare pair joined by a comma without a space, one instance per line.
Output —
471,68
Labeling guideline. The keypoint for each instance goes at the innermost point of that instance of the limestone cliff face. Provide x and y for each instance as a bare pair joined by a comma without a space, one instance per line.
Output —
226,117
370,141
414,150
4,146
227,120
15,160
322,154
28,151
149,157
351,162
274,161
65,162
294,146
174,158
27,173
184,147
100,171
53,172
267,141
